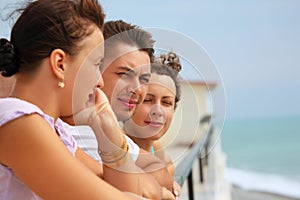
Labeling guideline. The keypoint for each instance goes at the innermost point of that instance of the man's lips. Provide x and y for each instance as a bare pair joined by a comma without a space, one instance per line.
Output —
129,103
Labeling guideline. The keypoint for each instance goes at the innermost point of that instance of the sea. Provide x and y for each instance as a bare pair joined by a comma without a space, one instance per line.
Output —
264,154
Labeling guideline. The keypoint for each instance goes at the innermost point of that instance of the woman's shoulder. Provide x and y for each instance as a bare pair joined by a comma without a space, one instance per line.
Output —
10,103
11,108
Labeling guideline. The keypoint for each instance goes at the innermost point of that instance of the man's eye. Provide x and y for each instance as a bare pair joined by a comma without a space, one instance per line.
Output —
122,74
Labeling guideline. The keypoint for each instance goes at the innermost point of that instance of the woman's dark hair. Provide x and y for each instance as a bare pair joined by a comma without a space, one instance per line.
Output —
169,65
45,25
122,32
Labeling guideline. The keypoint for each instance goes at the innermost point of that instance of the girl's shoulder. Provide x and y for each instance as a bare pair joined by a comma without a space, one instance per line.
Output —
12,108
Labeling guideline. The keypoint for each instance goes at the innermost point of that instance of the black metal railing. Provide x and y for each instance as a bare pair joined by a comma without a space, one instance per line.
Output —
184,170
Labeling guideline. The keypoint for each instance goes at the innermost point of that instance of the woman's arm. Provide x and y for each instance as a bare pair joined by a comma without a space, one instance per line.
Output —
154,166
117,164
159,152
89,162
146,179
111,139
33,150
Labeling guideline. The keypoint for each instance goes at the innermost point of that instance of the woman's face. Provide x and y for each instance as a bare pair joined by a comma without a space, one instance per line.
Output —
153,117
125,77
83,74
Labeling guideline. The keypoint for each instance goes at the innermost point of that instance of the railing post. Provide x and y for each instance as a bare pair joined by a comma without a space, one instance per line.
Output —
190,185
184,169
201,170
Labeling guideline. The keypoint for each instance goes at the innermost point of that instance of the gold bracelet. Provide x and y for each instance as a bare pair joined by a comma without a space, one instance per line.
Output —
117,162
117,152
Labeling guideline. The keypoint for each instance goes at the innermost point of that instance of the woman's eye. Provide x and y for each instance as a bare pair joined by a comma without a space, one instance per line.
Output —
98,65
168,103
147,100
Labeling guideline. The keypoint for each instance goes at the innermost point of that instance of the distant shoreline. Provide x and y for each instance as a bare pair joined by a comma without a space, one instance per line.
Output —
262,118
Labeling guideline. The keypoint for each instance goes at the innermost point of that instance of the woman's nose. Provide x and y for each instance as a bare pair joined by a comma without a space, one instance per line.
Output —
100,83
157,111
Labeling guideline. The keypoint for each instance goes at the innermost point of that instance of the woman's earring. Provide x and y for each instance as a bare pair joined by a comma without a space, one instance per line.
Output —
61,84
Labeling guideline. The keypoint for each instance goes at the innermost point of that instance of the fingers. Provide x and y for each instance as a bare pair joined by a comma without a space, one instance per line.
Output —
135,196
176,189
167,194
88,115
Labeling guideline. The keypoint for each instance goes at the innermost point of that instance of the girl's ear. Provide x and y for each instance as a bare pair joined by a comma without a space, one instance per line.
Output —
57,61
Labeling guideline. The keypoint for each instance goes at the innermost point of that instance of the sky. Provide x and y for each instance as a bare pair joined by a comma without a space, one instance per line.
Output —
254,45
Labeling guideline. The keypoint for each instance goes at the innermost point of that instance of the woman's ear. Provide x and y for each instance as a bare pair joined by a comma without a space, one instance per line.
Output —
58,63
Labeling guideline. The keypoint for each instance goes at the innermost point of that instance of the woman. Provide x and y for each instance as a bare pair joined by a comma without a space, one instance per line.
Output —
125,71
153,117
38,159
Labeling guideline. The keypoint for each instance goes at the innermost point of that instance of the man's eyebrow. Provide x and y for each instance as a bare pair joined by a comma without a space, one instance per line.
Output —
128,69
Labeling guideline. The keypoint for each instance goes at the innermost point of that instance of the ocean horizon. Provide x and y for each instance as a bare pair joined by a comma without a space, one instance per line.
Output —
262,154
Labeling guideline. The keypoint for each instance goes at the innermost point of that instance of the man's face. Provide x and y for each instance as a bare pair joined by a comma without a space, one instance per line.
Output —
125,80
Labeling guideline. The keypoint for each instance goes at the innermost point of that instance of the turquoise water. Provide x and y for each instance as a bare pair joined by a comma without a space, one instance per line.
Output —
269,146
263,155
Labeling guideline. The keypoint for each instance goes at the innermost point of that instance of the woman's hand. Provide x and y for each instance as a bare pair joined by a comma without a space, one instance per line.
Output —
167,194
88,114
176,189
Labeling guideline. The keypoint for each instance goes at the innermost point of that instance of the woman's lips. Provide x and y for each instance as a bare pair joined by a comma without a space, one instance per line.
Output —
154,124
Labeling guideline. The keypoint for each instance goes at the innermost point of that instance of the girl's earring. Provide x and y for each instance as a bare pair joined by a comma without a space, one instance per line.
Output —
61,84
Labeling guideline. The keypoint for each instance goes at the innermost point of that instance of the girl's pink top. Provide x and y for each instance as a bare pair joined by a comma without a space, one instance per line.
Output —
11,187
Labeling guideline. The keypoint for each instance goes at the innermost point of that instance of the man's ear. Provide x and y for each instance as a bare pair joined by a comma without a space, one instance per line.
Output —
57,61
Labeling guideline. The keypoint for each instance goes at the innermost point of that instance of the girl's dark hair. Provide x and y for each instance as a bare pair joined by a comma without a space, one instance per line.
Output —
169,65
122,32
45,25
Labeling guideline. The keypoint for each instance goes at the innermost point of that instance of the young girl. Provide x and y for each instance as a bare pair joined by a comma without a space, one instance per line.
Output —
55,51
153,117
